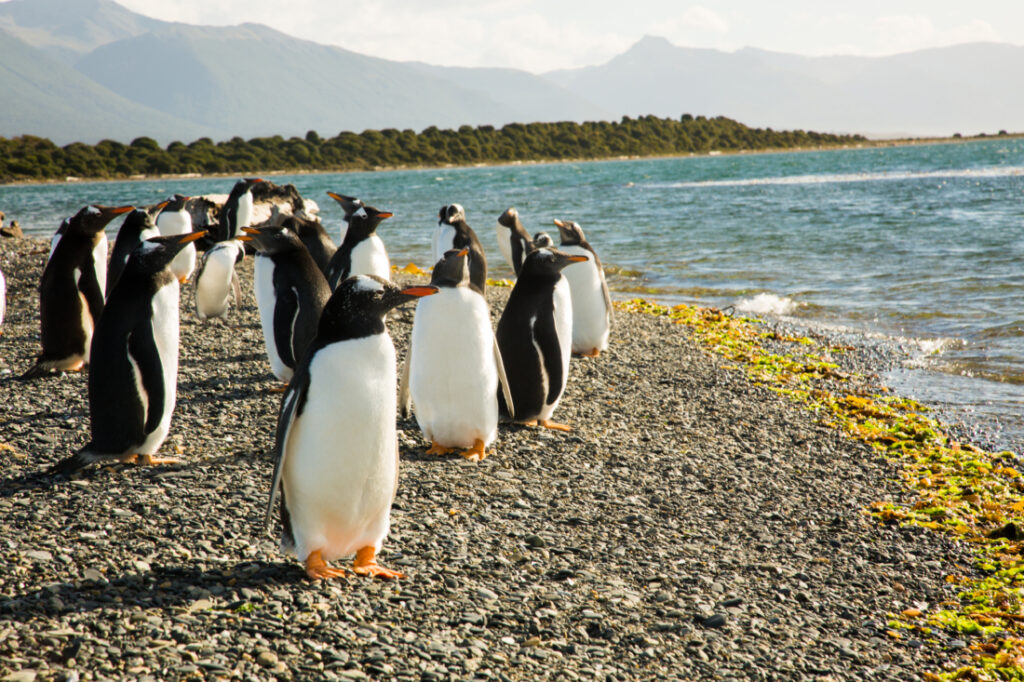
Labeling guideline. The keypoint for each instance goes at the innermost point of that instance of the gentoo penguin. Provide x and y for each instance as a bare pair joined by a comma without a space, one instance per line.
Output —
237,211
591,302
362,252
138,226
216,279
314,237
453,232
71,291
55,239
175,219
290,292
542,240
513,239
535,335
454,366
349,205
336,444
133,376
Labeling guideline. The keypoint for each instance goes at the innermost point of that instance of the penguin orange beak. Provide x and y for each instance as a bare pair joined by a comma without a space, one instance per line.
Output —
420,291
578,259
119,210
161,206
192,236
383,215
336,197
251,230
463,252
245,238
558,223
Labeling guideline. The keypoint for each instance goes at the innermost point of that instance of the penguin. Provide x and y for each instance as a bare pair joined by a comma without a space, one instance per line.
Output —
349,205
453,232
55,239
216,279
314,237
336,445
138,226
290,292
71,291
362,252
238,210
591,301
454,366
513,239
542,240
175,219
133,376
535,335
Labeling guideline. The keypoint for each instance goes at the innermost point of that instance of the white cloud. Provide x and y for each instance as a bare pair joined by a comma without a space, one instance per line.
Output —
904,33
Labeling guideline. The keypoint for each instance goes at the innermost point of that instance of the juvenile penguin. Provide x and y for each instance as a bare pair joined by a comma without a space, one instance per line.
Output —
454,367
362,252
453,232
513,239
175,219
238,210
591,301
216,279
290,292
349,205
314,237
133,376
138,226
535,335
542,240
71,291
336,444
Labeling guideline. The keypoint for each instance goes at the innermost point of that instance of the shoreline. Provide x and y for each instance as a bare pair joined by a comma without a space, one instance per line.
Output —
694,524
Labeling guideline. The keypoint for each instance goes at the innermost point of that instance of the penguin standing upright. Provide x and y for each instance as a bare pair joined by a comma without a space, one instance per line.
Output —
175,219
216,279
535,336
513,239
454,367
314,237
453,232
349,205
71,291
238,210
133,376
55,239
362,252
336,444
138,226
290,292
591,301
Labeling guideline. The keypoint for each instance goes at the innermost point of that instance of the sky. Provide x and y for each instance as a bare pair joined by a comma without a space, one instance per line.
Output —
543,35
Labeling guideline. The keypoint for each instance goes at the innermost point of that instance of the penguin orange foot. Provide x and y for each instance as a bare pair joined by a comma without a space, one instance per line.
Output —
438,449
366,564
555,426
477,453
151,461
278,389
317,568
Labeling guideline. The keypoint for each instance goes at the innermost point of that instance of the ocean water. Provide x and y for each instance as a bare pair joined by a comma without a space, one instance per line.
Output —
919,244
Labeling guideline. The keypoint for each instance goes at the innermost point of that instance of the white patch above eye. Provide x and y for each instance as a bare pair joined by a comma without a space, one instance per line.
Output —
361,213
148,246
91,210
364,283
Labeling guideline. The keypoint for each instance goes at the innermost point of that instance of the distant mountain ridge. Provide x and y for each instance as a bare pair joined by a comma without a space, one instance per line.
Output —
114,73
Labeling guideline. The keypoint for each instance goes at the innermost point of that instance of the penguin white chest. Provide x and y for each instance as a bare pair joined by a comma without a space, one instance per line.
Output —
99,263
590,315
453,378
443,239
369,257
266,299
341,461
179,222
246,208
213,287
504,236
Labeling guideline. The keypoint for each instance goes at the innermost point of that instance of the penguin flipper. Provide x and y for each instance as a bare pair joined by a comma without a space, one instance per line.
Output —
291,407
236,287
404,396
286,310
503,380
143,352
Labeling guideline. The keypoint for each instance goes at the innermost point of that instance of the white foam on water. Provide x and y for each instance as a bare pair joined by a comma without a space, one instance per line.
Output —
767,304
883,176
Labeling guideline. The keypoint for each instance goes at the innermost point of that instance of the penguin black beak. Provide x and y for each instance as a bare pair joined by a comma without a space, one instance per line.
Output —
192,236
418,292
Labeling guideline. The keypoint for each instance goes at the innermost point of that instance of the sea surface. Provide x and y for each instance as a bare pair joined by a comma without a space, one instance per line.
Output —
918,245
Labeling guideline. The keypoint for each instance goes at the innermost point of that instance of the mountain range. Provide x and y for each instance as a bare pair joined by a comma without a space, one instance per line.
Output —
84,70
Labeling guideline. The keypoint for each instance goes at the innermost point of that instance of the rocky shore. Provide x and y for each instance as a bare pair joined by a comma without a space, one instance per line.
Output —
692,526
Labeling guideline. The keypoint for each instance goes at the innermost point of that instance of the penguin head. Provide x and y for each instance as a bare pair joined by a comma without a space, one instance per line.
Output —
452,270
234,246
154,210
173,205
547,264
244,185
270,240
451,214
138,220
358,306
509,218
570,232
155,254
365,220
542,240
348,204
93,218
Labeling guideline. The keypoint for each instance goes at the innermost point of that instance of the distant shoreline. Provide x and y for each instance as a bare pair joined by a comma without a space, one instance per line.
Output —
866,144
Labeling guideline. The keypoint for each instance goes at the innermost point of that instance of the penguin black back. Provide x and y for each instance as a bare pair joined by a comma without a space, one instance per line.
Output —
229,227
519,239
314,237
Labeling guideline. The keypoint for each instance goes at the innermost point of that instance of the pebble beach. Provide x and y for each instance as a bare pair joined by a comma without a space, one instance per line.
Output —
693,525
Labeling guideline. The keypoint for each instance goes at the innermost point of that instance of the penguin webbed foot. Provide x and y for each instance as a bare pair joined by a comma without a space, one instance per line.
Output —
477,453
438,449
152,461
317,568
366,564
592,353
554,426
278,389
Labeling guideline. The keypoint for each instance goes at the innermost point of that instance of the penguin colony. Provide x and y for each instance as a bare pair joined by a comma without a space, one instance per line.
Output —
323,313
